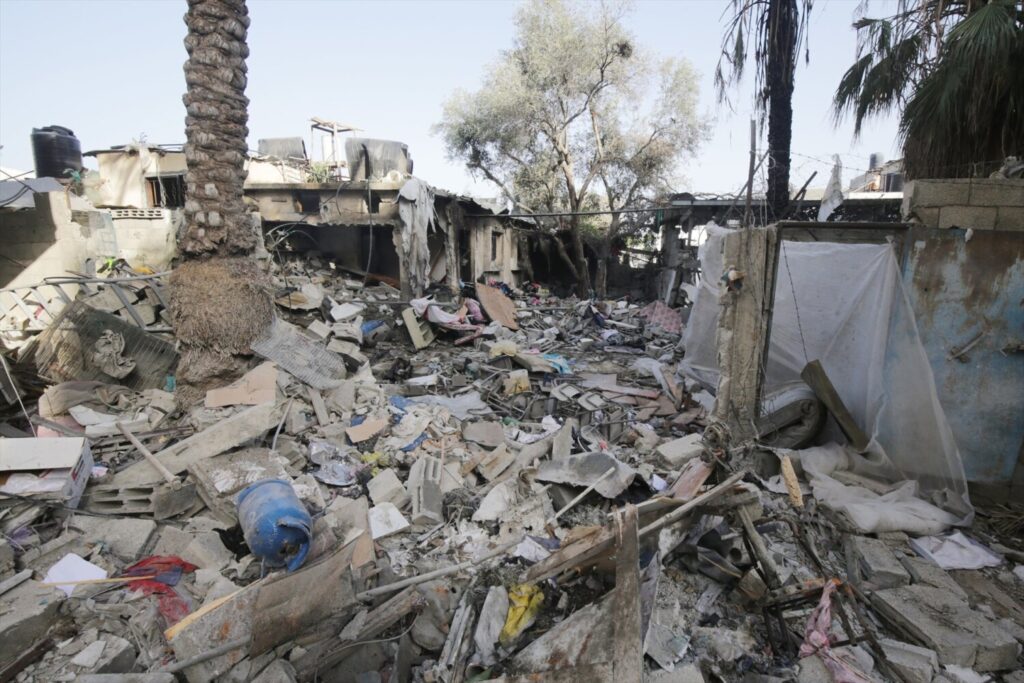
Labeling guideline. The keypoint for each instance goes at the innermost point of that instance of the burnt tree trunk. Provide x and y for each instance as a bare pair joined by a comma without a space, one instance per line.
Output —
219,298
782,25
580,258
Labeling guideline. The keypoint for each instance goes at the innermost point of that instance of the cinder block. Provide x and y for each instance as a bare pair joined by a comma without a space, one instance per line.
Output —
937,193
425,491
997,192
1010,218
975,217
926,217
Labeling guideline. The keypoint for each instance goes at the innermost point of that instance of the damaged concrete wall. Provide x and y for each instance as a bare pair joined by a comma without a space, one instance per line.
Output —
975,203
748,260
493,251
124,174
965,271
149,241
43,242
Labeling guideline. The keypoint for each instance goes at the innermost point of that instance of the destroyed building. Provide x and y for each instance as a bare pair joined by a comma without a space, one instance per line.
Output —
801,459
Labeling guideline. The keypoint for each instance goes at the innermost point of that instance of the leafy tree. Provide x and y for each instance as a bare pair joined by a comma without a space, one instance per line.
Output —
565,121
774,30
952,68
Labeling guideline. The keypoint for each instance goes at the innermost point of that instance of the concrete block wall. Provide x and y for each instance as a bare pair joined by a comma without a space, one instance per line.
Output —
975,203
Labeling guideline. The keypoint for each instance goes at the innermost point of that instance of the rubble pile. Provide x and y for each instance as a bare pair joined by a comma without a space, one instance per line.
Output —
501,485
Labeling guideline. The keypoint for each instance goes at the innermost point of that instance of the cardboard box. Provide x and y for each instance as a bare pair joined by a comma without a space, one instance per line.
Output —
51,469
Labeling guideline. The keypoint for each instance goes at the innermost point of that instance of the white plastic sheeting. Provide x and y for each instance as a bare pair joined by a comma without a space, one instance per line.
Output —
845,305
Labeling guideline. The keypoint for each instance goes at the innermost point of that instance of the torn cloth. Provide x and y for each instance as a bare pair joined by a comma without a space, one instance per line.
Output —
818,642
416,210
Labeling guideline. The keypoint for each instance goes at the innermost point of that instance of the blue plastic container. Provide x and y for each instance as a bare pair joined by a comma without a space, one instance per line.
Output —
275,523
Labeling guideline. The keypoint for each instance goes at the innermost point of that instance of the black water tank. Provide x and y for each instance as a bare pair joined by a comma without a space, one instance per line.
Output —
55,149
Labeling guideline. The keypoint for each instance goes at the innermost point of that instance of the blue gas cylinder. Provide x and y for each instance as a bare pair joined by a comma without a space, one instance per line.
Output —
276,525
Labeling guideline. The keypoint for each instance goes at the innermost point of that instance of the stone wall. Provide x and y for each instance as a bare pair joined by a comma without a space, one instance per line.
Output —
968,203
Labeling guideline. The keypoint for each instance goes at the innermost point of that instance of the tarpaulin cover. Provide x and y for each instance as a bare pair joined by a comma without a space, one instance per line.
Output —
845,305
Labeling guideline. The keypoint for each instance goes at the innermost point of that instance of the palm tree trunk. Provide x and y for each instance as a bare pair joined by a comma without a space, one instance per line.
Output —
782,23
215,129
219,300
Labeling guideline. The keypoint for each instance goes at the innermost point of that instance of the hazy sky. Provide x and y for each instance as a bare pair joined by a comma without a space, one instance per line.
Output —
111,70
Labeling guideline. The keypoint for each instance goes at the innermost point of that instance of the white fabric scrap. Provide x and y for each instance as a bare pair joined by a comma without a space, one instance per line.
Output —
833,191
955,551
73,568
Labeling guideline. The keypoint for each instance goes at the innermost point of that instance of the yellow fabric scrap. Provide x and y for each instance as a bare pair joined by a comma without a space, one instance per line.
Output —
505,347
517,382
376,460
525,601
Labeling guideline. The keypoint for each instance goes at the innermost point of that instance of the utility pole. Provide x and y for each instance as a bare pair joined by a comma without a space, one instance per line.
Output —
747,216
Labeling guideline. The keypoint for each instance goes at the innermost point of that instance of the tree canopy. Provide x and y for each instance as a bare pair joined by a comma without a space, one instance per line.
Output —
952,70
575,115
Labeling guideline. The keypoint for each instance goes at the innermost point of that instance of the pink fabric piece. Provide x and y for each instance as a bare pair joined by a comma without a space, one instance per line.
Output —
658,314
818,642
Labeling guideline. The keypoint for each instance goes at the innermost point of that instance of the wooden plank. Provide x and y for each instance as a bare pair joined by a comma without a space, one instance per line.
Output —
814,374
323,417
289,604
499,307
627,644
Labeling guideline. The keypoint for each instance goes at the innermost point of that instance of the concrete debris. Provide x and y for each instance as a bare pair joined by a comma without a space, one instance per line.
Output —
501,485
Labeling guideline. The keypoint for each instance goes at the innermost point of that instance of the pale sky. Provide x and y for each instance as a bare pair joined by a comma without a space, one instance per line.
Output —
111,70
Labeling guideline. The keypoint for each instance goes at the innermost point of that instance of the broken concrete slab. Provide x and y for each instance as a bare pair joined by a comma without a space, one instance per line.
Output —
125,537
877,563
561,445
220,478
387,488
154,677
915,664
957,633
983,591
255,387
223,436
118,656
368,429
927,572
90,655
588,469
687,673
207,551
678,452
385,520
278,671
484,432
30,611
494,463
319,329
